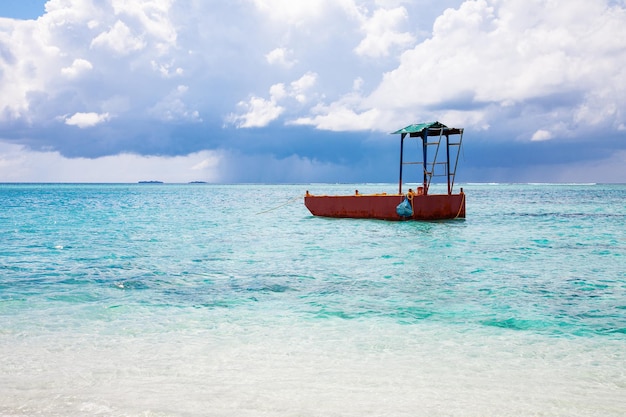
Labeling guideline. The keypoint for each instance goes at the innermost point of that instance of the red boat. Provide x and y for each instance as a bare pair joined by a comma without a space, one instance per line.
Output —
416,204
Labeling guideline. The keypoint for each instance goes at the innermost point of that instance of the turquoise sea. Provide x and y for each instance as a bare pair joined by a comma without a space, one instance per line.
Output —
232,300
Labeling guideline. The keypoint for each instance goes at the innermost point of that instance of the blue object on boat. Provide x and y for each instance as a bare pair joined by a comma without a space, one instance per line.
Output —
404,209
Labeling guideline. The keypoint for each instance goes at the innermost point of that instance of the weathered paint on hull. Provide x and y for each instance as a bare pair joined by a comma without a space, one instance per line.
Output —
382,206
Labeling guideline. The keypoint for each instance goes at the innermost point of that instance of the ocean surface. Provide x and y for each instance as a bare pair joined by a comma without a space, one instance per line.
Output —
232,300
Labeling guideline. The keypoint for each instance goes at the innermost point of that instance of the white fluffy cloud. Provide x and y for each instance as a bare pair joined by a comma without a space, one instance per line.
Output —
83,120
280,56
19,164
541,135
119,39
259,112
78,67
381,32
164,77
293,12
79,52
559,63
495,56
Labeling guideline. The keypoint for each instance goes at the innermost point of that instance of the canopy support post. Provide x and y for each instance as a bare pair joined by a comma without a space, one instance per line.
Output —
401,161
448,163
425,160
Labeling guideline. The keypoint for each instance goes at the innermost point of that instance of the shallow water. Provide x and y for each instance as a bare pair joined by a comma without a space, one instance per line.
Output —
232,300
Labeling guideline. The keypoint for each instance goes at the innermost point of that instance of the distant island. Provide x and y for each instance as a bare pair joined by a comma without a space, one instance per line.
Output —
197,182
150,182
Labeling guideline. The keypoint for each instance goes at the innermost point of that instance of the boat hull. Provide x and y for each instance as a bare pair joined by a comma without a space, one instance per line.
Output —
383,206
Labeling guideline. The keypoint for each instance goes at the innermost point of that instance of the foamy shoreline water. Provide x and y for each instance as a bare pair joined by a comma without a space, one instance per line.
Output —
333,369
180,300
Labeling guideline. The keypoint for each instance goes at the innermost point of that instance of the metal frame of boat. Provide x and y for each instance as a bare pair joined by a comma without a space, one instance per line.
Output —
423,205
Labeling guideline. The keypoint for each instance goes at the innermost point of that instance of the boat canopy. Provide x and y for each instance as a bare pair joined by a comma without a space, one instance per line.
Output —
432,129
432,134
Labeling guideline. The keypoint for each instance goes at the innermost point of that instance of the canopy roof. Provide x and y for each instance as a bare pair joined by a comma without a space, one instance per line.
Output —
432,129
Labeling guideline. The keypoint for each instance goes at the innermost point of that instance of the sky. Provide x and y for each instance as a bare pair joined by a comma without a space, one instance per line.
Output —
301,91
